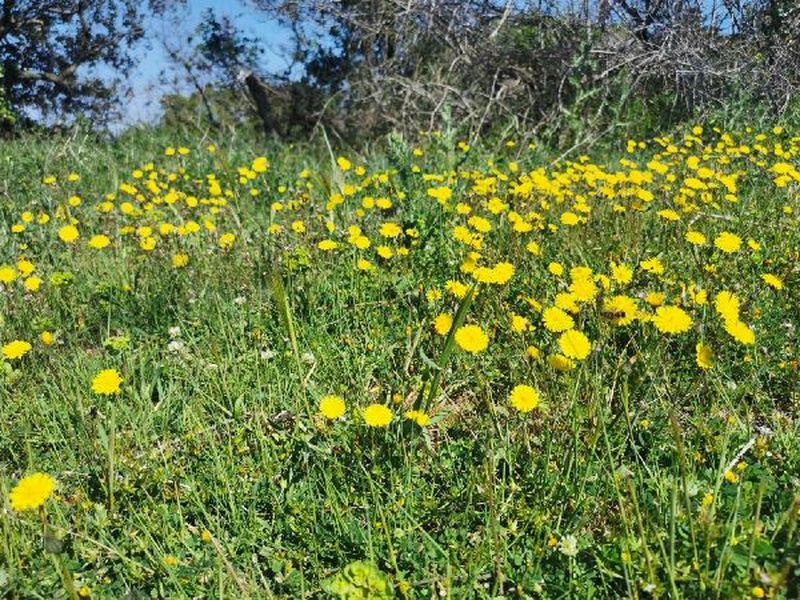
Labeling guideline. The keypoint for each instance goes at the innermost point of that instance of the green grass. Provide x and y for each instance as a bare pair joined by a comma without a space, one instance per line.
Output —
212,475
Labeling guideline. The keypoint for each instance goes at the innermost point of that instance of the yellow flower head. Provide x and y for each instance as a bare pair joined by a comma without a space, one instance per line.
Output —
555,319
728,242
704,355
471,338
524,398
672,319
31,491
332,407
442,324
107,382
68,234
16,349
574,344
419,417
377,415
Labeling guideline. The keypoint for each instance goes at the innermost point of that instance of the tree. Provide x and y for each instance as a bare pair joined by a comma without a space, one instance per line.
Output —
65,56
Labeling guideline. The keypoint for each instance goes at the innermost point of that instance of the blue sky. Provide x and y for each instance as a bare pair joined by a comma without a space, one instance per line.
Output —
151,58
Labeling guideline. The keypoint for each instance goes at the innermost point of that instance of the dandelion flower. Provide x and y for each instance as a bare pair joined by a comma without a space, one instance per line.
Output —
419,417
672,319
704,355
772,281
740,332
561,363
99,241
472,338
107,382
727,306
555,319
621,310
377,415
524,398
226,241
621,273
31,492
442,324
68,234
16,349
574,344
327,245
728,242
695,237
332,407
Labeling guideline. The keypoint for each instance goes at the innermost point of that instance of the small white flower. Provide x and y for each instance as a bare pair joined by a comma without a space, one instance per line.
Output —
568,546
239,300
267,354
175,346
174,332
308,358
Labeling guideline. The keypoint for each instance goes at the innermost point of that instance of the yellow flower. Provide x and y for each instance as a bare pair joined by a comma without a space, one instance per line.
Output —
621,310
555,319
16,349
472,338
344,164
7,274
47,338
772,281
672,319
621,273
25,267
31,492
364,265
332,407
98,242
728,242
653,265
727,306
442,323
377,415
560,362
327,245
574,344
441,194
226,241
519,323
502,272
584,289
107,382
68,234
740,332
533,352
419,417
390,230
524,398
695,237
180,260
704,355
32,284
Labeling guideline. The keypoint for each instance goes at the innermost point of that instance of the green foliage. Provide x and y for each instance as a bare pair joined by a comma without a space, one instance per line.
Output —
360,581
208,475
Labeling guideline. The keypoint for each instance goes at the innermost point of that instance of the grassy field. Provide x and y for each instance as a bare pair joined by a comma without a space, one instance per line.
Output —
434,371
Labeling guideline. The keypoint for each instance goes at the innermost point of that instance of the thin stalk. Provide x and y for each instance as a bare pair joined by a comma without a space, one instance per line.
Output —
449,345
285,312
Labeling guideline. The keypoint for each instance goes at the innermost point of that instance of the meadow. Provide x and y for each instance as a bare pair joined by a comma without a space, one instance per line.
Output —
431,370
